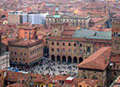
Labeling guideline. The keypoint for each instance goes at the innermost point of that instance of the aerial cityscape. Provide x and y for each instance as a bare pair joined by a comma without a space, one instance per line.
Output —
59,43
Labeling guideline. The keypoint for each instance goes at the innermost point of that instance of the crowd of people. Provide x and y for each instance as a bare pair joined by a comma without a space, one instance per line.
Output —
49,67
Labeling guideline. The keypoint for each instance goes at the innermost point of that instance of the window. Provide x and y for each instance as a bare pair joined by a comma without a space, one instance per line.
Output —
24,54
52,43
52,50
80,45
69,44
15,53
37,49
58,50
63,49
75,50
116,34
25,32
88,49
57,43
94,77
75,44
69,50
80,51
63,44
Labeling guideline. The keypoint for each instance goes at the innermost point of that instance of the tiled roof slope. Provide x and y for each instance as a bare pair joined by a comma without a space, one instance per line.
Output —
98,60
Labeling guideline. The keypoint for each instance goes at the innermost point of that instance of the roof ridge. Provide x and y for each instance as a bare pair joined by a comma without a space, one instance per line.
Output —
94,57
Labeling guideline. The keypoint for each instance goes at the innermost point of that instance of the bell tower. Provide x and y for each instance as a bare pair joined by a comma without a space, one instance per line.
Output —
116,35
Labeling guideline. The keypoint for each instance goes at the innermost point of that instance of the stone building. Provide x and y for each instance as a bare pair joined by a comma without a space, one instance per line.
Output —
116,35
4,56
26,31
73,45
96,67
25,52
104,65
24,79
73,20
14,17
4,60
115,54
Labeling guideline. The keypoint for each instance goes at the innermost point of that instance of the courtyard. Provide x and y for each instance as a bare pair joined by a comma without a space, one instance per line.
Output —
49,67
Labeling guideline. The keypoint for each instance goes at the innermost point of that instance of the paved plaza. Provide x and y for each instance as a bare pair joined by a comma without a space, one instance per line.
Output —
48,67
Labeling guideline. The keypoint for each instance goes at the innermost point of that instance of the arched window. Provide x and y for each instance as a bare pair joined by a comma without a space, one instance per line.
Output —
3,16
84,76
63,44
69,50
80,59
58,58
57,43
75,59
75,44
52,49
63,59
58,50
80,45
69,59
53,57
88,49
69,44
63,49
94,77
52,43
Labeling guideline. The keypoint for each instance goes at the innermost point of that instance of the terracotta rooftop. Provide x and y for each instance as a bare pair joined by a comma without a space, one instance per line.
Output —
98,60
68,33
25,42
75,39
26,26
60,77
90,82
16,85
5,41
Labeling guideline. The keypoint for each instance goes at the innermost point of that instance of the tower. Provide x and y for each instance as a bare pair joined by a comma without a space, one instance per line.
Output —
116,35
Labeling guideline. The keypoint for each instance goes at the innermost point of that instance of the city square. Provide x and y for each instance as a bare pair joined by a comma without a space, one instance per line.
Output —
49,67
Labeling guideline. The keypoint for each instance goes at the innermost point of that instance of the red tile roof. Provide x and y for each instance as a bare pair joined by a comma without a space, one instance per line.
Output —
25,42
16,85
98,60
75,39
68,33
60,77
90,82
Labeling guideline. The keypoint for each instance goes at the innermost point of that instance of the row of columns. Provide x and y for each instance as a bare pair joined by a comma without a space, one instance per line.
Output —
65,59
